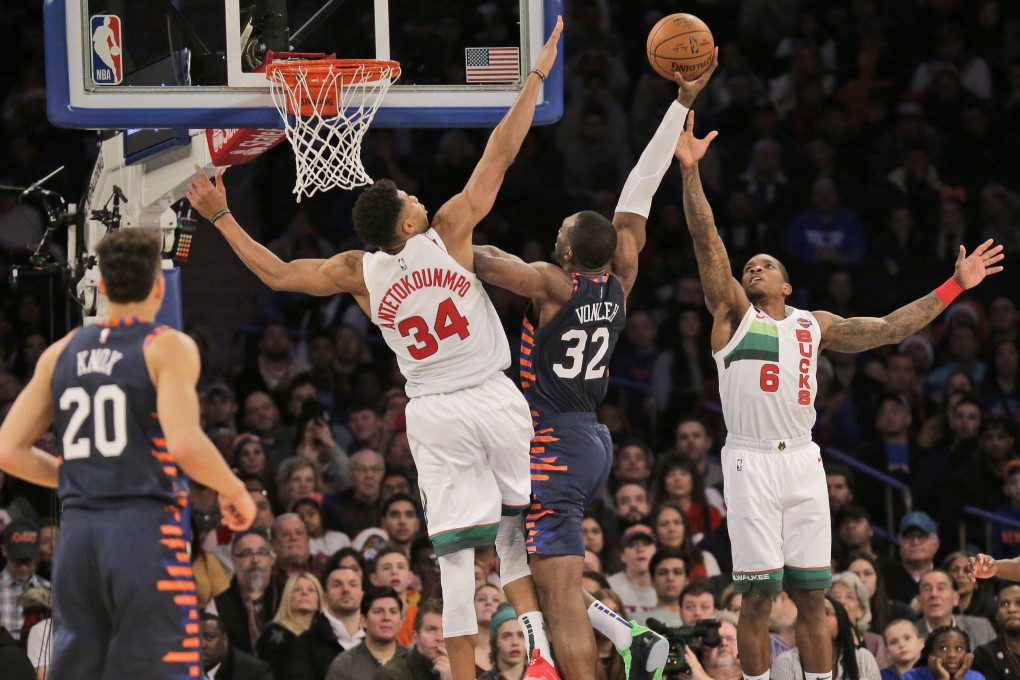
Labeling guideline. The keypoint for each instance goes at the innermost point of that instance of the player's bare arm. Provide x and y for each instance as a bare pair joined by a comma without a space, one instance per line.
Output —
29,417
311,276
456,219
643,181
724,296
545,283
173,362
863,333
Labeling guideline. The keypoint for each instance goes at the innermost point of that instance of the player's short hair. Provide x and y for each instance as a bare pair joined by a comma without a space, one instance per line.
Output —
379,593
376,213
129,262
433,605
593,239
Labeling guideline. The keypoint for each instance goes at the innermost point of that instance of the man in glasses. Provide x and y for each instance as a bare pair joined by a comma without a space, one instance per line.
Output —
253,597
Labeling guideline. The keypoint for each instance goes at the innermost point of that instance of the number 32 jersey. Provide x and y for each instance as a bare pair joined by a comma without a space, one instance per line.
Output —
564,364
435,316
108,433
767,375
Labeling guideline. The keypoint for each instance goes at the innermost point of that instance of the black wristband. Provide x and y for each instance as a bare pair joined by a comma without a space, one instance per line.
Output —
218,215
537,73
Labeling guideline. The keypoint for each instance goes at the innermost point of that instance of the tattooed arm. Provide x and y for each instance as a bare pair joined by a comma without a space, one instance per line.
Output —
724,296
863,333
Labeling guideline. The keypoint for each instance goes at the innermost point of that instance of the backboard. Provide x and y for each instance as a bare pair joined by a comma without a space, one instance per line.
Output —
114,64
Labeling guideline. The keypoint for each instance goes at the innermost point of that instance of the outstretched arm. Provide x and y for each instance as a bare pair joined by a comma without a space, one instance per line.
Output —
863,333
311,276
456,219
724,297
636,198
29,417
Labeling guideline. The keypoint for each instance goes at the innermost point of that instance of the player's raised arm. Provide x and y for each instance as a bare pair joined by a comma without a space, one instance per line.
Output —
311,276
457,217
724,296
636,198
502,269
858,334
173,363
29,417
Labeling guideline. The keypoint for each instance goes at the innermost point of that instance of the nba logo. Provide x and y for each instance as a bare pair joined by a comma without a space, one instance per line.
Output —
403,265
106,50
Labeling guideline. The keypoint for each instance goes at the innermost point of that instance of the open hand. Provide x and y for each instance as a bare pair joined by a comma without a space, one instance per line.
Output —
689,89
981,566
547,57
208,198
690,149
937,669
972,269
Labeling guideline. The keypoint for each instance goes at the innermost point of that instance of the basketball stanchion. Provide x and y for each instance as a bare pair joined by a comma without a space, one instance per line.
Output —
327,106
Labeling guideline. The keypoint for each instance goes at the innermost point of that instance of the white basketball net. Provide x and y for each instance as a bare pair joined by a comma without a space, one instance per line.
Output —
327,145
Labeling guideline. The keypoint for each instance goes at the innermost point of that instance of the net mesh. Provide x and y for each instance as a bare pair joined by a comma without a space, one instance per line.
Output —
327,106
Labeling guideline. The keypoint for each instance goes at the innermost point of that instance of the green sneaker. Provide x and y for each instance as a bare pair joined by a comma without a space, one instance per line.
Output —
647,649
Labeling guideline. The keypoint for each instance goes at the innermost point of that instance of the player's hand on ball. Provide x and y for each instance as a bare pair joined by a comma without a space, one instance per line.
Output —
981,566
690,149
238,511
689,89
547,57
205,196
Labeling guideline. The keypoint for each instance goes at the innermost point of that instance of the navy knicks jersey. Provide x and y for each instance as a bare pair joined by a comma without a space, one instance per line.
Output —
564,364
108,434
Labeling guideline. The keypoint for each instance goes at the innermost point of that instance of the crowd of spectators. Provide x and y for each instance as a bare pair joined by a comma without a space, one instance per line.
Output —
861,141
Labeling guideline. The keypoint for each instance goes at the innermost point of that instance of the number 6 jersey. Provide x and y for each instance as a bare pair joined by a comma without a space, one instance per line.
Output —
564,364
435,316
767,375
108,433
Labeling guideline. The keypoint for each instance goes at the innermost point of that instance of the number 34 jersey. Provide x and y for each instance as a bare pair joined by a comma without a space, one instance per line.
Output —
564,364
435,316
767,375
108,433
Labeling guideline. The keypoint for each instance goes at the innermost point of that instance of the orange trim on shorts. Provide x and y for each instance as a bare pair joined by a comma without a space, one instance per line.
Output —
547,466
185,599
545,438
171,530
181,657
539,478
174,543
165,585
179,570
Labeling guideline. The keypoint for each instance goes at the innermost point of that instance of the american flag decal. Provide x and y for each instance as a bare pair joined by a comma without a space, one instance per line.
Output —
492,64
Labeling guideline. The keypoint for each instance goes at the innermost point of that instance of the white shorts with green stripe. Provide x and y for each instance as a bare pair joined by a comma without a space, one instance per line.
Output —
778,514
472,449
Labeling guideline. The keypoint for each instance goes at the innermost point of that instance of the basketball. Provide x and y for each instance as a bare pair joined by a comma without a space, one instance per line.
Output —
680,43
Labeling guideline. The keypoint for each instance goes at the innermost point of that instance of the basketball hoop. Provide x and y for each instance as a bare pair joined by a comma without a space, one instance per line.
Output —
327,106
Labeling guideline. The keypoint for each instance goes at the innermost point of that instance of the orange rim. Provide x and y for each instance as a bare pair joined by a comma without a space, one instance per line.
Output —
350,70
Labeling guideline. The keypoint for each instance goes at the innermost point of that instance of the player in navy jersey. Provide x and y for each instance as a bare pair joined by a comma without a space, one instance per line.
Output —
577,314
121,395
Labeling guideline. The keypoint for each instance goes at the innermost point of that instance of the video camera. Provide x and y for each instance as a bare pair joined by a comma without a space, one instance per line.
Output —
704,633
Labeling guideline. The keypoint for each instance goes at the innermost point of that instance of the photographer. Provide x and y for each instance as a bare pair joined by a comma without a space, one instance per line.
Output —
718,663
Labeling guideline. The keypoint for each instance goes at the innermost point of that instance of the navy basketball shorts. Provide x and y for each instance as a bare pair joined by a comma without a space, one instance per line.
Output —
571,456
124,603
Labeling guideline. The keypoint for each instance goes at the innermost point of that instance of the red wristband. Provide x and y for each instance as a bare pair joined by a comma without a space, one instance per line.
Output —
948,291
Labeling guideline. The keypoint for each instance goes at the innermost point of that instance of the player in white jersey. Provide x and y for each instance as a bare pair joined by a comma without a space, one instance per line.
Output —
774,482
468,425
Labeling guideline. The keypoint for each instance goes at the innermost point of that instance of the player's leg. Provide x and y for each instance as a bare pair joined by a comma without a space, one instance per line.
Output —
807,538
755,519
461,501
81,621
556,577
147,570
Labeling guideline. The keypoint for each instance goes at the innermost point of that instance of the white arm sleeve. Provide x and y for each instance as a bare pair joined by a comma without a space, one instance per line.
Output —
644,179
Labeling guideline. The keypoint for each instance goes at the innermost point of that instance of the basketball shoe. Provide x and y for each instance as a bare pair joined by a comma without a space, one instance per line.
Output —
646,656
540,669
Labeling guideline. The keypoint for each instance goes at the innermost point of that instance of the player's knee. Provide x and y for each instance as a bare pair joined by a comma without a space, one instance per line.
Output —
809,602
757,603
512,550
457,575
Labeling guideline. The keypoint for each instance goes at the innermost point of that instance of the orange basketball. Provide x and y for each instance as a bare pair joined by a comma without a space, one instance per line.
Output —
680,43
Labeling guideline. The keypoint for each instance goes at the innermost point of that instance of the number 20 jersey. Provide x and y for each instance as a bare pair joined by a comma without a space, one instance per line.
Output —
564,364
108,433
767,375
435,316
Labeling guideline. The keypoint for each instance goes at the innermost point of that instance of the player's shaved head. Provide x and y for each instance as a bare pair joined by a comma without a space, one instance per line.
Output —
780,265
592,239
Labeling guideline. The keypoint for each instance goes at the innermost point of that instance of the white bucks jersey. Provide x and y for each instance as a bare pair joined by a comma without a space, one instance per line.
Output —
767,375
435,316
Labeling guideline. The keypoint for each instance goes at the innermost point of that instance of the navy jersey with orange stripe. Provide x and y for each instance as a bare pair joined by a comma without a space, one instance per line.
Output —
564,363
110,441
